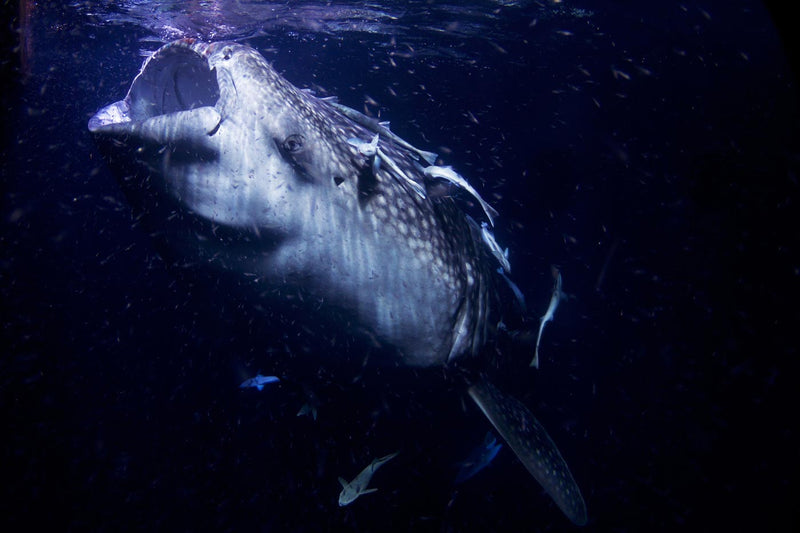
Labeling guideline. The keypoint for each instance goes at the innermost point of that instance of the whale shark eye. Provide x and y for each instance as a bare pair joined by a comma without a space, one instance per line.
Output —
293,143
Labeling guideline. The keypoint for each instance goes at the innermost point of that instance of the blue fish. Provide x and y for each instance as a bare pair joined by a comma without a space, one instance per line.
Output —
479,458
258,382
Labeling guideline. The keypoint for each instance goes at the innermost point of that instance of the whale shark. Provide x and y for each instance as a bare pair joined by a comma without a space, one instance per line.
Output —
236,168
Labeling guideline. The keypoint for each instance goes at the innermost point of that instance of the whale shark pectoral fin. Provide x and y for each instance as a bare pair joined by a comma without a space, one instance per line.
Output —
533,446
343,483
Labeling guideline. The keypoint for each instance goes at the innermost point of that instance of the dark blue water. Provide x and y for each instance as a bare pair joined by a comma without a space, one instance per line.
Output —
651,153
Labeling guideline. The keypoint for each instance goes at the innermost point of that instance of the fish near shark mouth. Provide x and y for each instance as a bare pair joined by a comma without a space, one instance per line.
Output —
176,93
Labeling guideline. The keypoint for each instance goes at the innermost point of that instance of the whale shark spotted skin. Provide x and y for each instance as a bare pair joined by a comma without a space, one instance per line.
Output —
236,168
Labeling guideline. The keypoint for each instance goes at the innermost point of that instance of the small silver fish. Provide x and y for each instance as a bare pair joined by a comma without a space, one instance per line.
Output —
357,487
367,149
416,187
499,254
371,150
381,128
557,296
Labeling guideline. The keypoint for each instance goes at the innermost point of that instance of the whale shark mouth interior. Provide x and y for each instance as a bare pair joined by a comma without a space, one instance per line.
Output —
175,79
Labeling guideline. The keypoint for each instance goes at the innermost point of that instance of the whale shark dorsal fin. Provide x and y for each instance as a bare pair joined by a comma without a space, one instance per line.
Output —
533,446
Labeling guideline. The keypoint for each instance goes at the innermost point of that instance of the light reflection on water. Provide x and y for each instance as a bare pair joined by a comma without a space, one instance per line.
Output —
427,29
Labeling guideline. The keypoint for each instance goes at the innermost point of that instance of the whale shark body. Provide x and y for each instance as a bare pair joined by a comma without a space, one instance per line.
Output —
237,167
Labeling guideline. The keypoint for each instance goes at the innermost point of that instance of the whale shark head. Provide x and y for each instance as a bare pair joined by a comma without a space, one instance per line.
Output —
234,143
235,165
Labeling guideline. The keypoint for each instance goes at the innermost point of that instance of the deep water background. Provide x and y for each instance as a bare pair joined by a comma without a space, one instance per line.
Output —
651,153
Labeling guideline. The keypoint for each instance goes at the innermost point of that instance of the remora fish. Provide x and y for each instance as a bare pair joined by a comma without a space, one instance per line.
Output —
235,166
379,128
447,173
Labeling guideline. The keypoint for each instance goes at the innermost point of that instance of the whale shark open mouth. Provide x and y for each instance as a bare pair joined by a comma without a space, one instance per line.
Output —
175,84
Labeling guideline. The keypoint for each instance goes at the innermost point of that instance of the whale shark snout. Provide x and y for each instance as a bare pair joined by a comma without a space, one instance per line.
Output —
233,166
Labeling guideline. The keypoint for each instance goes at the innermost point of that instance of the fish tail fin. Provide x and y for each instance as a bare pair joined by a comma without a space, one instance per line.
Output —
535,361
494,214
429,157
383,460
533,446
390,456
542,322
